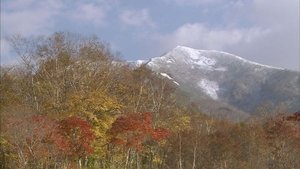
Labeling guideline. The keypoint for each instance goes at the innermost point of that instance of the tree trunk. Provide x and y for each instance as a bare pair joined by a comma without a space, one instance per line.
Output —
137,161
180,152
127,158
194,156
79,163
85,162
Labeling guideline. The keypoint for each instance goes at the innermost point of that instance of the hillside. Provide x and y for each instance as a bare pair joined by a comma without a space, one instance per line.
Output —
222,81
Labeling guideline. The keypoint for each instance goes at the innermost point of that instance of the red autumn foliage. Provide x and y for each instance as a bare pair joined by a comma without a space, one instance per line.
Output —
284,127
38,135
160,134
74,136
294,117
295,120
133,130
30,135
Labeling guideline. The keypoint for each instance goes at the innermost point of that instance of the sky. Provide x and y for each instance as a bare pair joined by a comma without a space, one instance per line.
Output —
264,31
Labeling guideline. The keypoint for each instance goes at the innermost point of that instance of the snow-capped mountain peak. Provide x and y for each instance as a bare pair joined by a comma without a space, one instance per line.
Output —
227,78
188,56
204,56
207,60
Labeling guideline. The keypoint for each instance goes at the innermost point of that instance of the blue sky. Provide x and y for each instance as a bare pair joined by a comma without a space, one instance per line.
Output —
265,31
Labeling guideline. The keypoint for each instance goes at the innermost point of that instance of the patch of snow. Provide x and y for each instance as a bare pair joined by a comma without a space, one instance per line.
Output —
170,60
255,63
176,83
198,54
153,64
136,63
193,53
209,87
115,63
167,76
188,56
204,61
242,59
140,62
196,57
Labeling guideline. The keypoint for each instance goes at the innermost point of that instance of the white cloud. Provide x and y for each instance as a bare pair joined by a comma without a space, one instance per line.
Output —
136,18
28,17
270,12
89,13
17,22
265,31
281,46
33,17
200,36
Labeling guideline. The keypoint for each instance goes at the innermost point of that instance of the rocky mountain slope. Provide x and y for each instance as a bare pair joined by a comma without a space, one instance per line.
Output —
222,82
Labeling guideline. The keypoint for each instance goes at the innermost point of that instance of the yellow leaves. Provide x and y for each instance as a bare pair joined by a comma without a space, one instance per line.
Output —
182,123
177,121
99,108
93,103
100,129
157,159
3,141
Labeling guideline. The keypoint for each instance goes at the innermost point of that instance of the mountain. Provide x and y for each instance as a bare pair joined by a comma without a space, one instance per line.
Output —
222,82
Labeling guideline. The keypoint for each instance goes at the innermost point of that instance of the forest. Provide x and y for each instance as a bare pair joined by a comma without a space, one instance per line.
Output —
71,103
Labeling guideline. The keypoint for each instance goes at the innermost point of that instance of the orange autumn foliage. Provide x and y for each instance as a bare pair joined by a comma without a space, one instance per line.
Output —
133,130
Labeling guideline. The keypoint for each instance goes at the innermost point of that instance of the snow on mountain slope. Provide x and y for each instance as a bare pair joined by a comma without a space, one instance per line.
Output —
186,55
203,58
209,87
167,76
137,63
227,78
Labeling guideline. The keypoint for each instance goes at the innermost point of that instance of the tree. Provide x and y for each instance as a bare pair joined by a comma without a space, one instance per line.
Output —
134,132
282,133
74,137
27,137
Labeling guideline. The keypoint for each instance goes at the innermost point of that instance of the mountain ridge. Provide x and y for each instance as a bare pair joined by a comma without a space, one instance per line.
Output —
227,78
